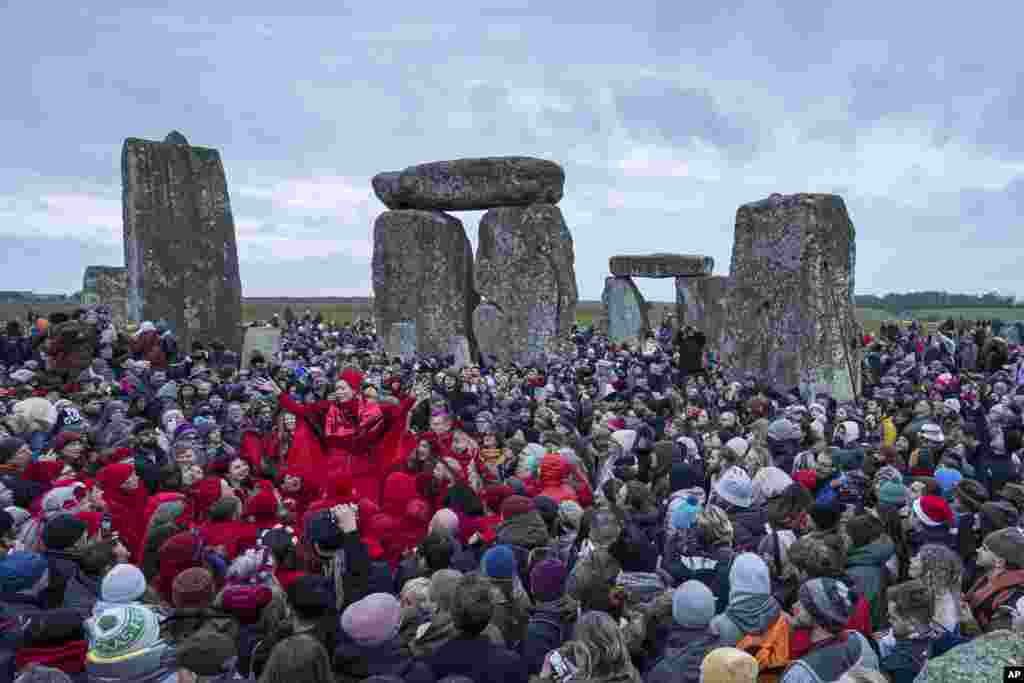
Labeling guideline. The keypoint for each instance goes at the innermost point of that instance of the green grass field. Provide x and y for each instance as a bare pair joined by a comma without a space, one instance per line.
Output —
586,311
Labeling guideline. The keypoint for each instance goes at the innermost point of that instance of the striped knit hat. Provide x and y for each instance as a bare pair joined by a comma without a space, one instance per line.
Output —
828,601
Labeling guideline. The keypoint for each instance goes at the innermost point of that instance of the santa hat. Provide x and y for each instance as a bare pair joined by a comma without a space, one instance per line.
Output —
933,511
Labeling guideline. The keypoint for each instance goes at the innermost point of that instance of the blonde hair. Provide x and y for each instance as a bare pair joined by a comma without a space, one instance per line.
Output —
599,648
861,675
416,592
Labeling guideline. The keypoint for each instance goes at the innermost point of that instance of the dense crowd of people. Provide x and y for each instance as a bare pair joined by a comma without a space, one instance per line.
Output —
610,514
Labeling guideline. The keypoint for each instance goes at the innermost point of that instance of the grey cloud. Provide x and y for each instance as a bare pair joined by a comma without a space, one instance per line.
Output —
679,115
1002,123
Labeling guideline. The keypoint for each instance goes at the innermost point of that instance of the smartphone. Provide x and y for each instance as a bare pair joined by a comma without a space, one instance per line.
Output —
560,667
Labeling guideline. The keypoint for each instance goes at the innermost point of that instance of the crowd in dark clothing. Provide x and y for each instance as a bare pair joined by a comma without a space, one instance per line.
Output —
616,513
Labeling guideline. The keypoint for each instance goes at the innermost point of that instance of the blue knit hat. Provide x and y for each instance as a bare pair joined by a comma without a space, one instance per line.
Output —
21,572
684,515
499,563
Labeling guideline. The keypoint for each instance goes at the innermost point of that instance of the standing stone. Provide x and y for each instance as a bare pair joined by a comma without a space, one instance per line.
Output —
458,349
107,286
179,238
471,184
707,307
791,307
626,310
524,271
423,273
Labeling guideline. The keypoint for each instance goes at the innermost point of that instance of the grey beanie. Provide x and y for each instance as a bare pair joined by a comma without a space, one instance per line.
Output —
693,605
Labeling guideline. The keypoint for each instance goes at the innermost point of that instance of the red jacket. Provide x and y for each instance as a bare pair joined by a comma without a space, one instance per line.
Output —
354,444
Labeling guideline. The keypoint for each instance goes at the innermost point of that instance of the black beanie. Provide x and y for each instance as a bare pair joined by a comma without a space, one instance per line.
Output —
825,516
8,447
310,596
63,531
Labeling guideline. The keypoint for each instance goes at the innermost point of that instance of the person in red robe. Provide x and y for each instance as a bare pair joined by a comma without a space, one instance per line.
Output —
352,426
294,445
124,499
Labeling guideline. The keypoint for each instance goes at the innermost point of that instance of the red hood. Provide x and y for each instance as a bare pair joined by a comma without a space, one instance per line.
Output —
399,489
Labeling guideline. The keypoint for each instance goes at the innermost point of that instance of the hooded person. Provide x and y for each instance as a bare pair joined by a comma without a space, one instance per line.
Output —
870,550
689,640
783,442
752,609
124,499
352,427
521,524
553,615
402,503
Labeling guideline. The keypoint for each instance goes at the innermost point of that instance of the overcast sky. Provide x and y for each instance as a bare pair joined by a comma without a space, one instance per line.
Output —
665,115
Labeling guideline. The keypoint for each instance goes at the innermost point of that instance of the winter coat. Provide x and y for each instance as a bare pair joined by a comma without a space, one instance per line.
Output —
830,662
748,526
430,637
685,650
527,530
354,662
710,567
866,567
82,592
550,625
353,446
478,659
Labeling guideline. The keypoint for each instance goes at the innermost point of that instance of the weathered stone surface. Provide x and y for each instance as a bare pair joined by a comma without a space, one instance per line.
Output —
625,309
179,238
661,265
790,308
470,184
525,272
706,306
423,272
108,286
458,349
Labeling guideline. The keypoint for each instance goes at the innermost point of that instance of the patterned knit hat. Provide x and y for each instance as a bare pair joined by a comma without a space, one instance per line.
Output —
122,631
828,601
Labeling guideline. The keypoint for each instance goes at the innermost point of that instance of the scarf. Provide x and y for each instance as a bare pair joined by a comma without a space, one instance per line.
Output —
342,417
753,613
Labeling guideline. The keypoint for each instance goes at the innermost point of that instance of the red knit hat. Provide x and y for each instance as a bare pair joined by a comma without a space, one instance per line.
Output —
933,511
515,505
207,492
806,478
113,477
353,378
68,656
246,601
64,438
262,506
494,496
